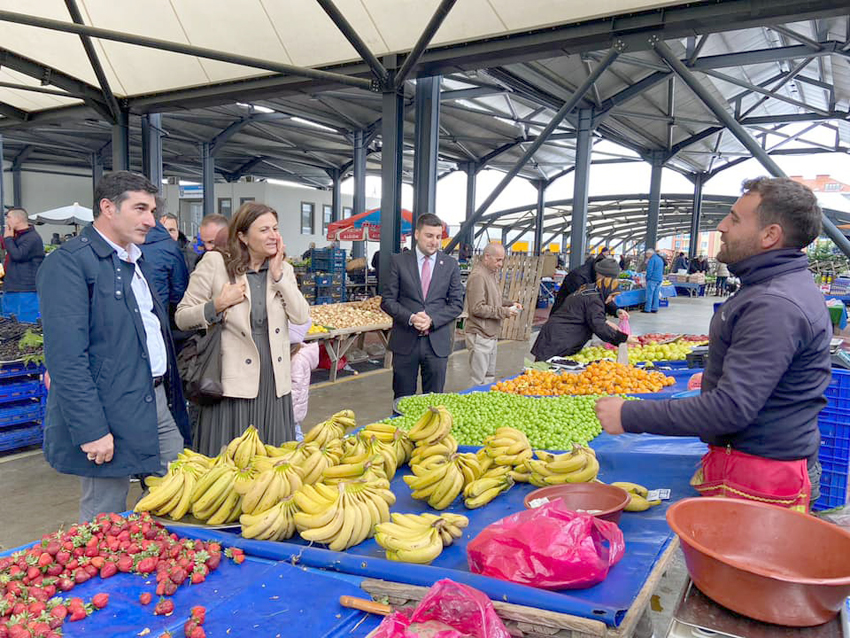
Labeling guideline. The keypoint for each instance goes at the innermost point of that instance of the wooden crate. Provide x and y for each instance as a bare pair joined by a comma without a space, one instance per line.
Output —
520,281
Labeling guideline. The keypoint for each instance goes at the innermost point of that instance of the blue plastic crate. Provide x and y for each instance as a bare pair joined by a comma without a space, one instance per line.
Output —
23,390
663,302
22,436
324,300
840,386
18,369
323,280
834,456
30,411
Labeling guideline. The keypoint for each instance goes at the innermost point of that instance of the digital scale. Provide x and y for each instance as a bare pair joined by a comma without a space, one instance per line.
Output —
697,616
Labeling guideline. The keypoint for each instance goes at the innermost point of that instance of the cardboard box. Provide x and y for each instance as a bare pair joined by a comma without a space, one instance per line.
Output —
550,264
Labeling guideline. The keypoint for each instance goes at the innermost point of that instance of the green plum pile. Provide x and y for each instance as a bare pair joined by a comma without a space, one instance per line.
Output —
638,354
552,423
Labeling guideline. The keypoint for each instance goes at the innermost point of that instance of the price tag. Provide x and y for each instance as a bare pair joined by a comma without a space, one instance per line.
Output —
658,495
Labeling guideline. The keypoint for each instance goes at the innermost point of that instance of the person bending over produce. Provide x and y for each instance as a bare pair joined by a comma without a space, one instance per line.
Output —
582,315
252,289
769,360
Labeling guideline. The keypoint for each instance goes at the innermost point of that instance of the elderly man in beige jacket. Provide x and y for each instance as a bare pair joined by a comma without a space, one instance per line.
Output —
485,309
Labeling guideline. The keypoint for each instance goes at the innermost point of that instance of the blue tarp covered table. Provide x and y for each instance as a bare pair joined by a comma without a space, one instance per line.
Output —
691,289
637,297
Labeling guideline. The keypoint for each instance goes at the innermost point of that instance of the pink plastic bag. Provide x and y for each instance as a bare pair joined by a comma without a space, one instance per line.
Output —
448,610
550,547
624,326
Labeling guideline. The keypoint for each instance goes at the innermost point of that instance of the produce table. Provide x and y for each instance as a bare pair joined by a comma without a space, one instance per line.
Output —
260,597
338,342
637,297
599,611
692,289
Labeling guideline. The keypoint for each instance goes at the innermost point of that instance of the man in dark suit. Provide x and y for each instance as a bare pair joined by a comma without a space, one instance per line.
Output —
424,296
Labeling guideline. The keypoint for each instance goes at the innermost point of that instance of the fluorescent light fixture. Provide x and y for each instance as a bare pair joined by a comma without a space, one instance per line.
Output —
255,107
185,182
313,124
286,182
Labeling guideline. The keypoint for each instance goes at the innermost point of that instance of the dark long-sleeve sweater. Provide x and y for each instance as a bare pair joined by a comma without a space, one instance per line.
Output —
767,369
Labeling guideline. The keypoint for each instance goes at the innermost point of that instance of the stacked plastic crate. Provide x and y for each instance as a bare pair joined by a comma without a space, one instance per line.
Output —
22,401
325,283
834,423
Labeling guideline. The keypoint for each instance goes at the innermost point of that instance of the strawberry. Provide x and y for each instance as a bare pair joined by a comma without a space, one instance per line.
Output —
145,598
50,590
165,607
33,572
18,608
44,559
194,631
146,565
81,576
213,561
236,554
36,607
165,634
59,611
65,584
100,600
108,570
199,614
54,569
178,575
19,631
98,561
91,570
40,629
198,576
125,563
78,614
63,556
72,564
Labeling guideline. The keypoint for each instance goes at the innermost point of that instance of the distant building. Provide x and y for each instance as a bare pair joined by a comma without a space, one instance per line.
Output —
824,184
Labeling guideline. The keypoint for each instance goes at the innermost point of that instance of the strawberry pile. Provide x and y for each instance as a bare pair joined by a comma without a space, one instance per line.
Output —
32,580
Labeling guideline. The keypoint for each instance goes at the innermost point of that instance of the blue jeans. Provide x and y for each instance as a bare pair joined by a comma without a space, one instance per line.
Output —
652,290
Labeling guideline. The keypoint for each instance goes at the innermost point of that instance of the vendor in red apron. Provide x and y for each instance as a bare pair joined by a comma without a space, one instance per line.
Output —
768,363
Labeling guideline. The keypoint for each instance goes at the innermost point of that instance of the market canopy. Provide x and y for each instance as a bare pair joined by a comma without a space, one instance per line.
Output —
367,226
75,214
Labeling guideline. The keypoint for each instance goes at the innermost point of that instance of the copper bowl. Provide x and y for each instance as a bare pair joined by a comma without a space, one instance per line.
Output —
608,499
765,562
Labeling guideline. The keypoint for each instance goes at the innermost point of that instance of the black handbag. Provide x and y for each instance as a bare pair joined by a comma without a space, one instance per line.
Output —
199,365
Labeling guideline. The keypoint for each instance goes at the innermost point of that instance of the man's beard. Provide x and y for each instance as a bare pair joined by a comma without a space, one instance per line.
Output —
732,253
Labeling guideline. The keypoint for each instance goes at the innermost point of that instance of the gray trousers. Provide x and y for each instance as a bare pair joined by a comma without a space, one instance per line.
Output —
110,494
482,358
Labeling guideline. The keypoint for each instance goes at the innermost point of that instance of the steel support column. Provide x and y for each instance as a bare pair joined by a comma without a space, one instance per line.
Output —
121,142
359,205
392,138
471,169
208,178
581,184
539,221
696,215
2,188
427,132
740,133
336,195
96,170
618,47
152,148
505,238
654,200
17,189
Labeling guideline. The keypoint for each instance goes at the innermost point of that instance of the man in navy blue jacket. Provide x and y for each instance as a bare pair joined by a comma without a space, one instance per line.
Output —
115,406
768,362
424,296
169,275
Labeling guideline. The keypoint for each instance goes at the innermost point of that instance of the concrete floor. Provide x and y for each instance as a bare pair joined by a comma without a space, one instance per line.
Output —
37,500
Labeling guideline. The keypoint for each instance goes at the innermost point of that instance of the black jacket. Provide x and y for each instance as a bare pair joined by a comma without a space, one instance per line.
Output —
575,279
402,298
767,369
576,320
166,264
95,348
24,252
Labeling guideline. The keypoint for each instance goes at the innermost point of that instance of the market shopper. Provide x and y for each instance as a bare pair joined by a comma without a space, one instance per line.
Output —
211,226
252,289
578,277
680,263
654,277
698,265
486,308
424,296
768,363
24,254
115,406
166,266
581,316
722,275
303,359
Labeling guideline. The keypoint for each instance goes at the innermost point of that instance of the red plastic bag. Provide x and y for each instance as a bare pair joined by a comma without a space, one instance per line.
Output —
550,547
448,610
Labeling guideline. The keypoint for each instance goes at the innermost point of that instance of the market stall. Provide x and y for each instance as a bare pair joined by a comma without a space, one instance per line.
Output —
637,297
338,342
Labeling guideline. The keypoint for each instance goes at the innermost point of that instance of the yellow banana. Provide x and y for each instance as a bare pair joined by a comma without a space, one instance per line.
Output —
631,488
162,493
182,507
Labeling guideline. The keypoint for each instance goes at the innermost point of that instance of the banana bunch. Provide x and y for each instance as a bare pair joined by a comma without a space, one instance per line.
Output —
432,426
370,470
391,434
485,489
386,450
469,466
638,494
171,495
246,475
270,487
274,524
333,428
314,460
446,447
412,538
342,515
241,449
284,450
214,498
578,466
508,446
438,480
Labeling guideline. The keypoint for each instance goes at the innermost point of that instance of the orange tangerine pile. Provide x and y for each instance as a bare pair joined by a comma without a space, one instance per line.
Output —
603,377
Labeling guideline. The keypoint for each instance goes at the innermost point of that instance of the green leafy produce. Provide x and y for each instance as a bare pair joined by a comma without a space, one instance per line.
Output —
553,423
31,346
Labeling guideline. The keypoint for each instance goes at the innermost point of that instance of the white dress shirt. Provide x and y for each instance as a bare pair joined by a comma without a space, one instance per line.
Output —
157,353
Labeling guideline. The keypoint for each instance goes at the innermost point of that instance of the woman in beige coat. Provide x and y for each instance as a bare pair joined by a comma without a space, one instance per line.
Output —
252,289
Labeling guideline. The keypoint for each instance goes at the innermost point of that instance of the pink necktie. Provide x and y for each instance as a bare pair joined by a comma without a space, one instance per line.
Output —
426,277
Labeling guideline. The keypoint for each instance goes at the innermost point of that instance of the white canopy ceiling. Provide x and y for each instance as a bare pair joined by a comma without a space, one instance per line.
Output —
296,32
